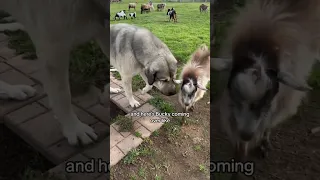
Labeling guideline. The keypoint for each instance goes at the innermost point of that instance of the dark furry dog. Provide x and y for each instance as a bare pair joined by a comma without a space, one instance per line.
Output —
172,14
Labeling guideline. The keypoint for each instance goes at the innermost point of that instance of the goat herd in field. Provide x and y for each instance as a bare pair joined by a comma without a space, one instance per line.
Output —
146,8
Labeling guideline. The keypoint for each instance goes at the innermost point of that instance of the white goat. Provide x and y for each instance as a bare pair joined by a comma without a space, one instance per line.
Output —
121,14
274,46
133,15
194,77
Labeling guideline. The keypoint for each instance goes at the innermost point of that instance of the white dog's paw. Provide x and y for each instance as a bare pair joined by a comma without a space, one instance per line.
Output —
115,90
79,133
134,103
21,92
146,89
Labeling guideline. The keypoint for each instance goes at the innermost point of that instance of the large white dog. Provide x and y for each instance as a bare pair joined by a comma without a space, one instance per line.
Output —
55,27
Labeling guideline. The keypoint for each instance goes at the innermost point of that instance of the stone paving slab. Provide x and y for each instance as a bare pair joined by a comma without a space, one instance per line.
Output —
8,106
121,143
24,65
6,52
34,122
4,67
89,99
25,113
99,111
61,169
15,77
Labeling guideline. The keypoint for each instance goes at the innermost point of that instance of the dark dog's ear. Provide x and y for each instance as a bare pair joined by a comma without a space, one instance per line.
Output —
151,76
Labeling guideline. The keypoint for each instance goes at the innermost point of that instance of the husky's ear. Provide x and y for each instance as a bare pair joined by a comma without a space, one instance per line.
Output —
151,76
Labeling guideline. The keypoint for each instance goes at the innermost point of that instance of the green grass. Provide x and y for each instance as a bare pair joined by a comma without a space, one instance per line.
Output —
162,105
314,80
202,168
137,81
138,134
124,122
143,150
142,172
197,147
20,41
182,38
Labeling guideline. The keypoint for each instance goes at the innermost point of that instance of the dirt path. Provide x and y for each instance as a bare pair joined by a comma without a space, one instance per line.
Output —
185,156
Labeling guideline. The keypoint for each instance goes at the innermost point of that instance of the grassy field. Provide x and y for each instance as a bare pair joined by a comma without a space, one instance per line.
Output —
183,37
171,152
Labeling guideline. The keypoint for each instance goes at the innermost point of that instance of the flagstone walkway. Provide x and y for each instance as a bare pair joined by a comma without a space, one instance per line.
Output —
33,120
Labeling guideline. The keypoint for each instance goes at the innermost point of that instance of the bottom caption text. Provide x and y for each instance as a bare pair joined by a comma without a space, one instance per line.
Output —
232,166
91,166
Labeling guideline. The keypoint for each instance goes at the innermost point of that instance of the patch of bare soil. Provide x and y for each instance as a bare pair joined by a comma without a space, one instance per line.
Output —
295,153
185,157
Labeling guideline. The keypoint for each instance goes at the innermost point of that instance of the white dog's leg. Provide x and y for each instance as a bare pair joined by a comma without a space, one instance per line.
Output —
127,86
56,85
148,87
101,39
16,92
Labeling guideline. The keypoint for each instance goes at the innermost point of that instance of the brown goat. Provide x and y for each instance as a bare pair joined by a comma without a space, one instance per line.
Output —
145,8
132,5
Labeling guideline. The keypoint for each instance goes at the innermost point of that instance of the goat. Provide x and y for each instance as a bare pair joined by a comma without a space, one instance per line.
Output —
121,14
172,14
161,6
145,8
151,5
132,5
194,78
274,46
203,8
133,15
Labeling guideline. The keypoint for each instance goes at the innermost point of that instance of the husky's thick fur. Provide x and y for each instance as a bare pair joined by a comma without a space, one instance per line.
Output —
135,50
55,27
270,52
195,76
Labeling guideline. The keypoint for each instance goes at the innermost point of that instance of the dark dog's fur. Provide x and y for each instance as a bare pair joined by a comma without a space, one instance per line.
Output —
172,14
